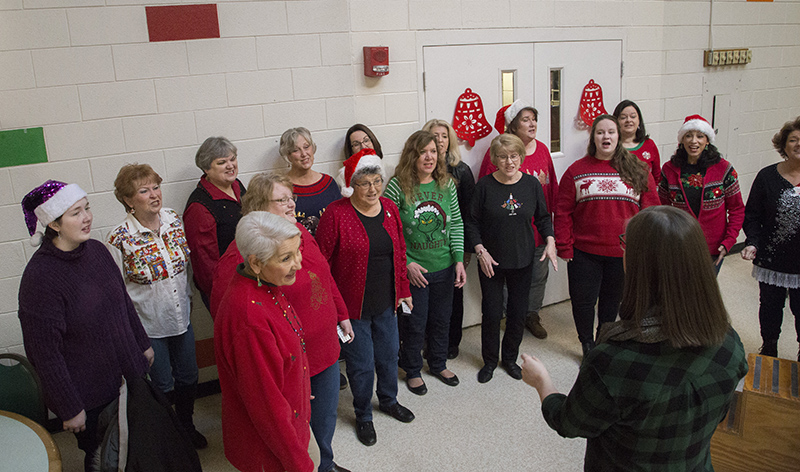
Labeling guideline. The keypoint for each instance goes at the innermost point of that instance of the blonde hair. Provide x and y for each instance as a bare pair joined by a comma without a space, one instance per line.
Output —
259,191
508,142
453,153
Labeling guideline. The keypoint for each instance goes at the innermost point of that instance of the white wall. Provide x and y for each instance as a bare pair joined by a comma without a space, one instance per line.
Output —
85,71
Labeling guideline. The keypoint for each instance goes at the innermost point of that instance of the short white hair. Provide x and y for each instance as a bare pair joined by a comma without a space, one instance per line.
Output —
260,234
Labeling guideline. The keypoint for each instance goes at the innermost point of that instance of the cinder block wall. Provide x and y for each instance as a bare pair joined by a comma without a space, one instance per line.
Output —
85,71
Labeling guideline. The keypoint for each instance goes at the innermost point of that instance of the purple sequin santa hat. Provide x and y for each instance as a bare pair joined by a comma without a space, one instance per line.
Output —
46,203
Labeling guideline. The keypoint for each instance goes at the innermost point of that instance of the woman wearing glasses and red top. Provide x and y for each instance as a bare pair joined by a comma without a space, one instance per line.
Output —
598,194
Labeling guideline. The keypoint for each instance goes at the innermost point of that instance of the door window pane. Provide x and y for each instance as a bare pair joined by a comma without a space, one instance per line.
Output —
555,110
508,79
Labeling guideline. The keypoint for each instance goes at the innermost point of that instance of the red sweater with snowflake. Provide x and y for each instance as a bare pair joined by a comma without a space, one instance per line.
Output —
721,209
647,152
593,206
540,165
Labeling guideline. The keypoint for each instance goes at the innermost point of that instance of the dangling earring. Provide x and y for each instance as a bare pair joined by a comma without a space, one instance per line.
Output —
258,280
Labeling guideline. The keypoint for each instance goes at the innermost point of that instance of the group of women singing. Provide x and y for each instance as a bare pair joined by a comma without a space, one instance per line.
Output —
299,261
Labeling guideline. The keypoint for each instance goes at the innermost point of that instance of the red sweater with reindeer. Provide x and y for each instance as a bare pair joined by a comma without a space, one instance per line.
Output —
593,206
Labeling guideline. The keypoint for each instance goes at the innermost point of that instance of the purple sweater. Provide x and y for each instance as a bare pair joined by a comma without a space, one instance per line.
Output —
80,329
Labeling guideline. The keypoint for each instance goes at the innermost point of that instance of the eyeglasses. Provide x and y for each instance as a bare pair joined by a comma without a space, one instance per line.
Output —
359,145
285,200
513,157
622,241
365,185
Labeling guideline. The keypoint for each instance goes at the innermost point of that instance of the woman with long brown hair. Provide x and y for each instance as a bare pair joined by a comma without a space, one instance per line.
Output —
597,195
428,201
651,394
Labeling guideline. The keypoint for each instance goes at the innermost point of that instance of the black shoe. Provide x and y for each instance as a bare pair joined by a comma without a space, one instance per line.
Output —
513,370
451,381
338,468
586,347
366,433
452,352
420,390
398,412
769,348
485,374
342,381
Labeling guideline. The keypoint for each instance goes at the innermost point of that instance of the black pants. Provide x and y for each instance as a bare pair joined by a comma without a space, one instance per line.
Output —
594,280
770,312
456,318
518,282
87,439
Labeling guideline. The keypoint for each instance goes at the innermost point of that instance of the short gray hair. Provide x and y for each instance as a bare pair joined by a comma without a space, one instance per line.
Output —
365,171
289,141
260,233
211,149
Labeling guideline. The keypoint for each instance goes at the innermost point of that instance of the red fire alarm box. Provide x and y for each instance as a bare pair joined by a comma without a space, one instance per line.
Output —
376,61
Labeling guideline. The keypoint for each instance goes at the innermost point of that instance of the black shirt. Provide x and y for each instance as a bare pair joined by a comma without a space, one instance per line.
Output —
379,291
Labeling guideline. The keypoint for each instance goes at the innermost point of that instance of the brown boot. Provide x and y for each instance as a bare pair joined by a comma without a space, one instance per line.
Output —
534,325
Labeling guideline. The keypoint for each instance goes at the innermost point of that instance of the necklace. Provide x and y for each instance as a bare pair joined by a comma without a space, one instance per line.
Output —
298,330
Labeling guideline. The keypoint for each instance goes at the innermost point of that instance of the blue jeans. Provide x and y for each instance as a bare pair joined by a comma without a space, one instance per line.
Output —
373,351
325,388
433,305
175,362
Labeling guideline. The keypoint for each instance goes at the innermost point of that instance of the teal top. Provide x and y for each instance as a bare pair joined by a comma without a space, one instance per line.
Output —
432,224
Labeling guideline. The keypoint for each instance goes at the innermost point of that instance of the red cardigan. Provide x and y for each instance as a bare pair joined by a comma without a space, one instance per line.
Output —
343,240
264,376
313,295
593,206
540,165
722,210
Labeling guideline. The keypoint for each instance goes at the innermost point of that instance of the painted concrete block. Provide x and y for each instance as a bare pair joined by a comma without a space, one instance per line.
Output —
402,45
284,52
150,60
105,169
485,14
370,110
17,70
76,65
208,56
687,13
63,3
279,117
176,194
643,88
643,63
107,210
191,93
252,19
234,123
683,62
366,15
6,190
681,107
10,330
645,38
402,107
251,88
322,82
327,16
335,49
31,29
686,37
14,228
681,85
425,15
144,133
108,25
10,4
393,137
329,148
84,139
179,163
136,97
259,155
37,107
13,257
26,178
526,13
340,112
402,78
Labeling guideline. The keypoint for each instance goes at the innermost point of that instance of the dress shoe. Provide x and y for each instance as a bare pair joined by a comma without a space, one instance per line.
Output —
452,352
513,370
418,390
366,433
451,381
342,381
338,468
485,374
398,412
534,325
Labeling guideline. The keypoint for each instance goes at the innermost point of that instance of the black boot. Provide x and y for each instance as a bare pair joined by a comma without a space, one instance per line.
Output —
769,348
184,409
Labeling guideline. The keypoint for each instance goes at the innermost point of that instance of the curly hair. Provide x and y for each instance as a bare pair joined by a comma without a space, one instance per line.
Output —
780,138
130,177
406,170
632,171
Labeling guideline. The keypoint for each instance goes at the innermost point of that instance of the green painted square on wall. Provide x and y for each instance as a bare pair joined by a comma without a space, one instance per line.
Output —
22,146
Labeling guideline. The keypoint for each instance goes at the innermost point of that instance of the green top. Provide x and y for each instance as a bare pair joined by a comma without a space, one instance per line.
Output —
432,224
649,406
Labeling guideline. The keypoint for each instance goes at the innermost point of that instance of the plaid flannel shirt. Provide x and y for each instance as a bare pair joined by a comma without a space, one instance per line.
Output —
649,407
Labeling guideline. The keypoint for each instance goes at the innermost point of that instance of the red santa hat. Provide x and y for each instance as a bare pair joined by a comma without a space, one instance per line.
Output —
697,123
360,160
507,114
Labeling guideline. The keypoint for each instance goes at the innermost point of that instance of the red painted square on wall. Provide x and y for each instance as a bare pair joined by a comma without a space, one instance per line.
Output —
182,22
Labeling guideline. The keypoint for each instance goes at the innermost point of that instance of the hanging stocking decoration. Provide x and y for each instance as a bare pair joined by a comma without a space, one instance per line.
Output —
592,103
469,120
